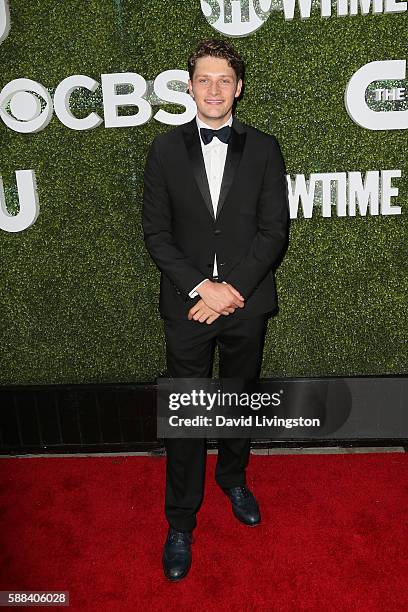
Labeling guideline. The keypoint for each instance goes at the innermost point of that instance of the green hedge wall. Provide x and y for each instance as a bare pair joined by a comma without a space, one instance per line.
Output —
79,291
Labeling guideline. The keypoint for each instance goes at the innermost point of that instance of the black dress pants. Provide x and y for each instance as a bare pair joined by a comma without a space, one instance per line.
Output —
189,351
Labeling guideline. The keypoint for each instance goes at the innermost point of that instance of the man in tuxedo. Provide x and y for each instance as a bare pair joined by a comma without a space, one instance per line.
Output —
215,221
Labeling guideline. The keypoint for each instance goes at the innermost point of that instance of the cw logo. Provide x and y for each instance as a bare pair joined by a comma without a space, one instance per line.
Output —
4,20
236,17
355,101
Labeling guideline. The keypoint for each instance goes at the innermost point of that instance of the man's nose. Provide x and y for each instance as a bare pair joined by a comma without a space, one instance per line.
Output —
214,88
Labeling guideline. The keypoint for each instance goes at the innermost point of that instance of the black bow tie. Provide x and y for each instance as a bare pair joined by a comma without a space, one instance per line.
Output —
223,134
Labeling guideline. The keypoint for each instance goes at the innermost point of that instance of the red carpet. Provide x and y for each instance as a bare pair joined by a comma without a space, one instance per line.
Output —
334,535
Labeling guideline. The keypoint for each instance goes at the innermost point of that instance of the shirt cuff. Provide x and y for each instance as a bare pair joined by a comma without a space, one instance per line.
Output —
193,292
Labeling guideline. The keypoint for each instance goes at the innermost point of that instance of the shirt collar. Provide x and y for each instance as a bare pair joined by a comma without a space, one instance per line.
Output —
201,124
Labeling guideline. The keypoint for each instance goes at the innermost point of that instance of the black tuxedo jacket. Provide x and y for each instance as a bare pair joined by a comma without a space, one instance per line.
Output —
249,233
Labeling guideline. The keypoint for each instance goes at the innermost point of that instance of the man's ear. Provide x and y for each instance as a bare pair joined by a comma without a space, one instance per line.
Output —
190,88
239,87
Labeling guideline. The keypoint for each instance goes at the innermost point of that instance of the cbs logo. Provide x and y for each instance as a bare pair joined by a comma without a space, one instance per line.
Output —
27,107
236,17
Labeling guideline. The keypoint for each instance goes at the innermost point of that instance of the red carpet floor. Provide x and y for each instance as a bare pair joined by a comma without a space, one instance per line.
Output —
334,535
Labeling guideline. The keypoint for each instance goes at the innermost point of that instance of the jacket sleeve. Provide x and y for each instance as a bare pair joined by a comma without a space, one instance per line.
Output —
273,225
157,228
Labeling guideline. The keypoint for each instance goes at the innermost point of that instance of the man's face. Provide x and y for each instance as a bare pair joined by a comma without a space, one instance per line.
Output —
214,87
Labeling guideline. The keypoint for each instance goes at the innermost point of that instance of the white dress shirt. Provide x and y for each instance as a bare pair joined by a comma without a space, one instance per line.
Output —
215,154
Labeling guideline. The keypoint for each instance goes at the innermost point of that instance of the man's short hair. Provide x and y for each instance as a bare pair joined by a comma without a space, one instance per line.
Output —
215,47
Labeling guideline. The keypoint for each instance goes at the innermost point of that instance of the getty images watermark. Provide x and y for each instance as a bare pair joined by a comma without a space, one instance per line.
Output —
224,408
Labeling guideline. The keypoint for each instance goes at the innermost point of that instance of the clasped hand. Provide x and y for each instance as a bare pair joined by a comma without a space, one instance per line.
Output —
216,299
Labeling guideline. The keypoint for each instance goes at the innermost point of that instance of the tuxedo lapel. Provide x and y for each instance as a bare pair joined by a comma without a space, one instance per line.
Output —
234,154
193,145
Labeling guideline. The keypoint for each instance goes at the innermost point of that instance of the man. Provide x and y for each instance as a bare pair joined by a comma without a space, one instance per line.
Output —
215,221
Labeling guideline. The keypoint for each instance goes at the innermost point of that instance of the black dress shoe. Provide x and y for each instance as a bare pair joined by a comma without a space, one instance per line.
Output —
244,505
177,554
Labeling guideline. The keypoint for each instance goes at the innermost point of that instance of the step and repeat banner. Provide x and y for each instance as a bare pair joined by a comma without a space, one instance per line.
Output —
85,87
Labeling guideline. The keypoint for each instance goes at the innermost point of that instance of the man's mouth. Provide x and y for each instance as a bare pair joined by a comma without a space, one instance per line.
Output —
214,101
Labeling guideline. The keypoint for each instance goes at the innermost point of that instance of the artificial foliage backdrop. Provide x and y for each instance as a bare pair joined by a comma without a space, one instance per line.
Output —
79,292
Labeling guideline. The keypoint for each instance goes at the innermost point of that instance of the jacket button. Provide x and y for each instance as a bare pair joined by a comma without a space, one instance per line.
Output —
222,264
210,265
216,232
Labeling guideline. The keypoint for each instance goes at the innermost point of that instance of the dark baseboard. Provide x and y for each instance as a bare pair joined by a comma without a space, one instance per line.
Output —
121,418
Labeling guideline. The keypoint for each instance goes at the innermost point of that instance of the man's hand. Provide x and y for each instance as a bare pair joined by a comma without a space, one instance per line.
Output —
221,297
202,313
